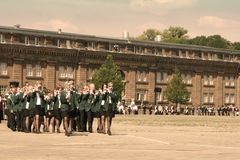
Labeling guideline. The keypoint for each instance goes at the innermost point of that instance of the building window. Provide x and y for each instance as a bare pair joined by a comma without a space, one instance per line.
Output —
70,72
3,89
3,69
229,81
62,72
59,43
29,69
66,72
2,38
187,78
141,76
141,95
36,41
161,77
27,40
90,73
68,44
91,46
38,69
208,80
208,98
160,97
229,98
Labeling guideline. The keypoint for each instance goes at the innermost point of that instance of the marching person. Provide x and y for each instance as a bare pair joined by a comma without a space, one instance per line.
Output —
1,108
13,101
65,97
26,97
38,97
49,113
96,108
89,105
57,108
83,102
110,107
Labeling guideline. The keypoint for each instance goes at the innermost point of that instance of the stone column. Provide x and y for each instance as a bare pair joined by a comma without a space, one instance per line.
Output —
197,89
81,74
218,94
238,90
151,86
131,84
51,75
17,73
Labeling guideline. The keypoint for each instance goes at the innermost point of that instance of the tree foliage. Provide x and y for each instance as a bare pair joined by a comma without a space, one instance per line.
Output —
109,72
176,91
175,35
149,34
179,35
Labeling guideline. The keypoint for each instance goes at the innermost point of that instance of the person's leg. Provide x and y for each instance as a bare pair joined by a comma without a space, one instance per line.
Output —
103,124
66,125
82,121
89,120
109,124
52,124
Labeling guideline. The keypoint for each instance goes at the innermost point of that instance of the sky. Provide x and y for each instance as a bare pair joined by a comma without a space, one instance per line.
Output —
110,18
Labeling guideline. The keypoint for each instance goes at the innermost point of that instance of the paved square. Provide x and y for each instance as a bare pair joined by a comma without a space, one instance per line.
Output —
134,137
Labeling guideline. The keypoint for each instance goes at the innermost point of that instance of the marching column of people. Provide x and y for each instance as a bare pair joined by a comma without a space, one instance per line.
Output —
37,109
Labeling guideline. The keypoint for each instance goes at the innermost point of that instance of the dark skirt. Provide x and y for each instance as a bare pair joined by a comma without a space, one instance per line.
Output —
72,114
26,112
49,114
97,114
57,114
64,114
39,110
32,113
110,112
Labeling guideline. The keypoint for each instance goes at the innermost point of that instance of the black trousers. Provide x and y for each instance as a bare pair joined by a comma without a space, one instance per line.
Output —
19,120
86,118
78,121
1,115
12,121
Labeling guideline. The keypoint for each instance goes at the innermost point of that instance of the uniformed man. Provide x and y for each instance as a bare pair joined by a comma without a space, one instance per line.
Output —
13,101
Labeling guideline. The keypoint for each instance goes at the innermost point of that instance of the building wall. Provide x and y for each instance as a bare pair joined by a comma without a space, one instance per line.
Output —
130,63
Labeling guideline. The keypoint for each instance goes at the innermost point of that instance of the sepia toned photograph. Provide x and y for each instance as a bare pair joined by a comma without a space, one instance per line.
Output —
119,80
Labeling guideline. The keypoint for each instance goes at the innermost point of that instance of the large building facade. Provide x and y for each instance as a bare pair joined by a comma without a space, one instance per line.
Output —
212,75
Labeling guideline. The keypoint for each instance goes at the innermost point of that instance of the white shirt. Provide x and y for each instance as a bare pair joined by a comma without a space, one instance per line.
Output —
38,99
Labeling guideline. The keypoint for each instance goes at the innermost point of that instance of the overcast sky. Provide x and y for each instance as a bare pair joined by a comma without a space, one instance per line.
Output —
111,17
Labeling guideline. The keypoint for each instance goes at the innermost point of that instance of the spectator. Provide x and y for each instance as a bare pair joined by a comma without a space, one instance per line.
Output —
1,108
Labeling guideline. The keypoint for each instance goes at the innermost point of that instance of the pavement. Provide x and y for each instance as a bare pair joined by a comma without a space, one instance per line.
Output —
129,141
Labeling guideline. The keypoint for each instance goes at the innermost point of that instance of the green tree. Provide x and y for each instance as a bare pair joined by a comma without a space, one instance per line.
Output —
217,41
175,35
149,34
109,72
236,45
199,40
176,91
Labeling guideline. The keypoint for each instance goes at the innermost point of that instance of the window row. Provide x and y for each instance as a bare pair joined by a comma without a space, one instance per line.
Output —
108,46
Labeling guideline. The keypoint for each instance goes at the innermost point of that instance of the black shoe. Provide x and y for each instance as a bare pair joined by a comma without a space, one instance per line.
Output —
58,131
109,132
90,130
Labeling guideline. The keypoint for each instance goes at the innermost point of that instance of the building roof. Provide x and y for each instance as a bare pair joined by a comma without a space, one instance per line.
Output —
74,36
